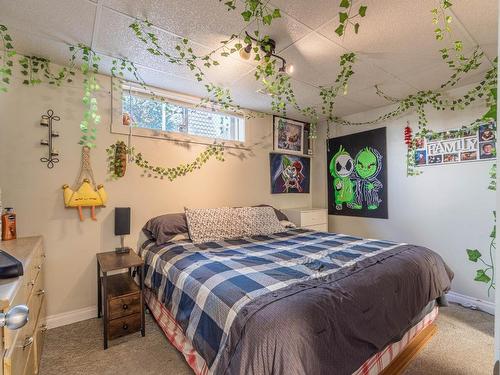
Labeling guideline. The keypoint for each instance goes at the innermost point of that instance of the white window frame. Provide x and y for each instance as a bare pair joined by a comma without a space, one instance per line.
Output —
181,100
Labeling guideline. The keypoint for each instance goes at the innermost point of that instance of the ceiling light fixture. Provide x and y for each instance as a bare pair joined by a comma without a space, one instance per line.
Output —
268,46
245,53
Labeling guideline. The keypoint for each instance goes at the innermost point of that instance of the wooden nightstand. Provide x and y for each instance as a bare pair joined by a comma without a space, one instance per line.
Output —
120,300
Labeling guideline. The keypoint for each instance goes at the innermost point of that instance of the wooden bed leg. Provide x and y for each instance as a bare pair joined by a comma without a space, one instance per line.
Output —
403,359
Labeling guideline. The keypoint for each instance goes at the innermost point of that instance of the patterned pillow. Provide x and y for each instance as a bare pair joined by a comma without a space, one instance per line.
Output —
260,221
214,224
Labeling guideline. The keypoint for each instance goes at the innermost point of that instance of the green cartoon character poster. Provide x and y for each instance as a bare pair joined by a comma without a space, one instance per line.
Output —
357,175
341,168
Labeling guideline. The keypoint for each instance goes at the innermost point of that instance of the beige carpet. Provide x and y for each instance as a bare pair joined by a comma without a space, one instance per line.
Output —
463,345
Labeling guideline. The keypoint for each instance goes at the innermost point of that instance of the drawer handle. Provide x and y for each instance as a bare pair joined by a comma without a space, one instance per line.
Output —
32,283
39,267
125,326
41,292
27,342
43,328
125,306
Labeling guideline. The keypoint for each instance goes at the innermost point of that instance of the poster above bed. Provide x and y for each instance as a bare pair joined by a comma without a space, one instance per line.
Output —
357,174
289,173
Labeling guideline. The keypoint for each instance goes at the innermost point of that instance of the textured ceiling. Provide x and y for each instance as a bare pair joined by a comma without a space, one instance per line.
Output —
396,46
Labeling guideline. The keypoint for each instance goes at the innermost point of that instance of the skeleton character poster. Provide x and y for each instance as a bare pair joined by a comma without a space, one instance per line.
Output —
289,173
357,174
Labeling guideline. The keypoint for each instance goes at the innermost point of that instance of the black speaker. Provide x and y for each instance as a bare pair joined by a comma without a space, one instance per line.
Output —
122,221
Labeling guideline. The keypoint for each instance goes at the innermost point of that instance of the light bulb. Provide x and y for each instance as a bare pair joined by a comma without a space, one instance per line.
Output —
289,69
245,53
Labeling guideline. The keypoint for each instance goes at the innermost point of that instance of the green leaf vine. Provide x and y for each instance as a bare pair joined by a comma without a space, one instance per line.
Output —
91,117
442,19
170,173
486,274
347,17
6,59
36,69
255,10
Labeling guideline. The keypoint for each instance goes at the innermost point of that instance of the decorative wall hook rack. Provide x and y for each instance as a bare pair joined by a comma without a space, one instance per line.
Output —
52,158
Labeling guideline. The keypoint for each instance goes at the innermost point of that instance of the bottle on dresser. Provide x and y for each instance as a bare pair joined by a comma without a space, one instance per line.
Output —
9,224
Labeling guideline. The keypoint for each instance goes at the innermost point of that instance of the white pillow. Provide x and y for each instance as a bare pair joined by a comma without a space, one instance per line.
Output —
260,221
214,224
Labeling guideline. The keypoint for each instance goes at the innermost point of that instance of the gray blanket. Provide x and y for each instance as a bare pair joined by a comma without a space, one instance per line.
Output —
332,326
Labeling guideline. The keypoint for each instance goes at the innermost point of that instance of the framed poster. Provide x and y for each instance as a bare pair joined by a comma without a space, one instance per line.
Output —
457,146
289,173
288,135
357,174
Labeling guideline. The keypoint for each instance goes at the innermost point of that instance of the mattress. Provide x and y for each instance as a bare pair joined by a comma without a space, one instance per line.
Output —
294,302
373,366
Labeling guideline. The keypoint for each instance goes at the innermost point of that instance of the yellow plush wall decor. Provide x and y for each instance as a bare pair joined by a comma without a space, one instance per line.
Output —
87,194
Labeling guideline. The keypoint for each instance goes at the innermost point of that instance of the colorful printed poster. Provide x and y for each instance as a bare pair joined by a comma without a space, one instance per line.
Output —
457,146
289,173
357,174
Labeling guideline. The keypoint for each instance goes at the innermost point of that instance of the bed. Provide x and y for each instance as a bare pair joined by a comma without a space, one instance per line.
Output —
293,302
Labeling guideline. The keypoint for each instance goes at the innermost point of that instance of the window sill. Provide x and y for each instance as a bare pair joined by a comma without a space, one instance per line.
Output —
175,137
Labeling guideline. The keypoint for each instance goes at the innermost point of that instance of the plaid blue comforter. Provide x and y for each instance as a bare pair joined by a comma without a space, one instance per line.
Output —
206,286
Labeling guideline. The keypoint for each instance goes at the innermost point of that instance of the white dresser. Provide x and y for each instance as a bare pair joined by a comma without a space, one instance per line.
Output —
310,218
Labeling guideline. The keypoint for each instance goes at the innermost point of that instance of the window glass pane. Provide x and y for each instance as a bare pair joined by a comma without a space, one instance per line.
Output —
174,118
145,113
162,115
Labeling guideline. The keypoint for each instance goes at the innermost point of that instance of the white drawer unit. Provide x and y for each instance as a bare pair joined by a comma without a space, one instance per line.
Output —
310,218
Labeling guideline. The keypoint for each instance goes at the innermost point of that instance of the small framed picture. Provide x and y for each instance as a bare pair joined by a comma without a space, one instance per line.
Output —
288,135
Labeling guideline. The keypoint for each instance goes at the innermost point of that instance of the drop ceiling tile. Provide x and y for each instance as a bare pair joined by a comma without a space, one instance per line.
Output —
35,44
393,88
305,12
397,36
316,61
481,21
284,31
115,38
245,93
344,107
193,19
432,77
69,21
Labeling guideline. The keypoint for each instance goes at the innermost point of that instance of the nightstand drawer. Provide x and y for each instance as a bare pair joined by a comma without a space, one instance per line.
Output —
123,306
315,217
124,326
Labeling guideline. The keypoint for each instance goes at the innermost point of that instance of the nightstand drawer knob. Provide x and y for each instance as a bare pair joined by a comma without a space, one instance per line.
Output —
125,326
125,306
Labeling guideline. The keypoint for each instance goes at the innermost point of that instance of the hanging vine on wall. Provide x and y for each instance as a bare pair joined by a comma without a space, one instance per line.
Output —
36,69
486,274
149,170
6,58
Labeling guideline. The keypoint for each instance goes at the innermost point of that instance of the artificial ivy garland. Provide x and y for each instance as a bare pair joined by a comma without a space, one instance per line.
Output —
149,170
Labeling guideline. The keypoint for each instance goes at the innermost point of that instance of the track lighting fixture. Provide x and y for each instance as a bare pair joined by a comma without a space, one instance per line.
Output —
268,47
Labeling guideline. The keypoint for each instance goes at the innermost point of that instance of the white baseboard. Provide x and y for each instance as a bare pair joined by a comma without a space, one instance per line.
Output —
471,302
70,317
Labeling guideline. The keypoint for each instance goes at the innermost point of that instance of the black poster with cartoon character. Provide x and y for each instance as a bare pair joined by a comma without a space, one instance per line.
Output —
357,174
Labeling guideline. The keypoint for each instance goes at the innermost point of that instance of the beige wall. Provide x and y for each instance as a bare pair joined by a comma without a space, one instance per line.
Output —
35,191
447,209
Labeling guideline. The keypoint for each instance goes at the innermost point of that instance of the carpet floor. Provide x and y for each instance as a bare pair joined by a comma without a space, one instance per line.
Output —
462,346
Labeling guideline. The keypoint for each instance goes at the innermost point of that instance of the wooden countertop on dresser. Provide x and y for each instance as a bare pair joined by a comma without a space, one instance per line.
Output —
21,249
